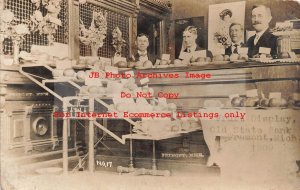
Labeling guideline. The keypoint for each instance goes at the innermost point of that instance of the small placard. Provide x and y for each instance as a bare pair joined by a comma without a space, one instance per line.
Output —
165,57
63,64
292,55
233,96
218,51
276,95
201,53
144,80
111,69
251,93
243,50
264,50
185,56
130,72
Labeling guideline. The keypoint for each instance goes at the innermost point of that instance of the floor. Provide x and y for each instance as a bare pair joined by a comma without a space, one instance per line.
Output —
113,181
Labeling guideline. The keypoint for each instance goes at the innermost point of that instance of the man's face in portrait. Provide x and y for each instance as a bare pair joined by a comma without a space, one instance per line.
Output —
261,17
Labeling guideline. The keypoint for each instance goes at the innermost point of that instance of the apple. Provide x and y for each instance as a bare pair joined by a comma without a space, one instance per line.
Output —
207,59
80,75
193,59
131,64
122,64
250,102
236,101
226,58
200,59
147,64
69,72
139,64
177,62
264,102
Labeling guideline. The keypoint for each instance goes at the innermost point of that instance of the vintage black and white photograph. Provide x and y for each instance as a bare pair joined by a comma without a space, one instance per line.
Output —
149,95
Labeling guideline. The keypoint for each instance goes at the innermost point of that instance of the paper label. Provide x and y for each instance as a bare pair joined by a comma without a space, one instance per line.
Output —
165,57
201,53
251,93
264,50
185,56
243,50
275,95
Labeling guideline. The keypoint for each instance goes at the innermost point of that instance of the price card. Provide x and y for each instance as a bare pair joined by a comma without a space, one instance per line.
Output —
219,51
251,93
185,56
233,96
144,80
111,69
264,50
292,55
201,53
165,57
130,72
243,50
275,95
296,96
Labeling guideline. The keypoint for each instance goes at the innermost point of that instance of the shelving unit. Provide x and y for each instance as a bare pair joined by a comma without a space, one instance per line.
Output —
87,102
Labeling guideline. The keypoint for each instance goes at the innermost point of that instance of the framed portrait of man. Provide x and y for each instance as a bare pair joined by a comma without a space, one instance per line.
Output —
220,17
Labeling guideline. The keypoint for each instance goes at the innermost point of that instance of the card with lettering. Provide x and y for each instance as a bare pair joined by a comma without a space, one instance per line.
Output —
243,50
275,95
201,53
165,57
264,50
252,93
185,56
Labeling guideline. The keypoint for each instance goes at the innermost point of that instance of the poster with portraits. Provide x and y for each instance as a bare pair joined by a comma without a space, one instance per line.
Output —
220,17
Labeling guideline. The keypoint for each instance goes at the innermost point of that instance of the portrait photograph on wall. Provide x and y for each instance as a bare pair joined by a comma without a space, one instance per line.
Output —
220,17
182,24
